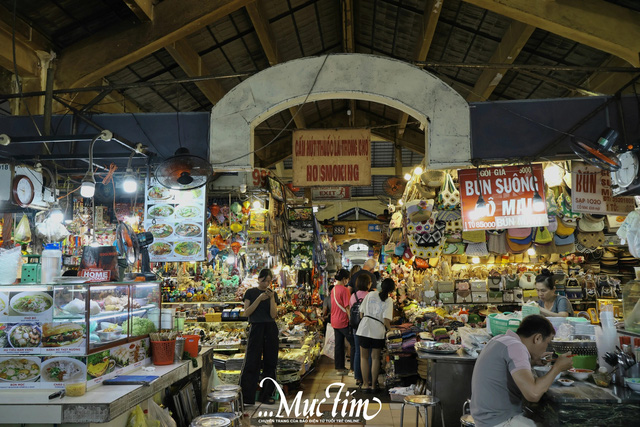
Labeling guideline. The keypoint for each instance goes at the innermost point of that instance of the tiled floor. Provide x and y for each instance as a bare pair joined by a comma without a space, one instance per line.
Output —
313,387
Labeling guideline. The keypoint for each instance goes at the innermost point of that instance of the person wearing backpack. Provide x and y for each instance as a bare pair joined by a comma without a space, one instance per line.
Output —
362,285
376,313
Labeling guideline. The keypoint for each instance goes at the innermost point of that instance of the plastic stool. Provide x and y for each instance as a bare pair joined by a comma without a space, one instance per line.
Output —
214,399
466,420
421,400
231,387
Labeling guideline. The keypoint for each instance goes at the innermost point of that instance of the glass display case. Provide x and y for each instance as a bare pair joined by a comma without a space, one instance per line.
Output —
75,318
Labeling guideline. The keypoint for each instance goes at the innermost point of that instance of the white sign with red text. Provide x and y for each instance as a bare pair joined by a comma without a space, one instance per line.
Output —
591,192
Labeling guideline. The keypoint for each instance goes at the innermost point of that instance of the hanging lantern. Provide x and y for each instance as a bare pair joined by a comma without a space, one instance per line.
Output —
235,247
246,207
236,227
236,208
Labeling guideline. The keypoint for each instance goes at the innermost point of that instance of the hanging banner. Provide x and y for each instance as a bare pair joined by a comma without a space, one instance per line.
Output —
331,193
591,192
508,193
331,157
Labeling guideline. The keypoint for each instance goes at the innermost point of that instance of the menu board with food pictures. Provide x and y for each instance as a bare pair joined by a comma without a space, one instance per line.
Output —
177,221
33,372
117,361
26,306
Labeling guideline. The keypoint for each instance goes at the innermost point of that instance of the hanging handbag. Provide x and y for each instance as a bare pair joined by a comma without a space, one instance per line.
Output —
543,236
528,280
590,289
495,296
529,295
445,286
433,178
446,297
449,196
478,286
573,290
494,281
497,242
518,295
552,205
419,210
454,226
508,296
511,281
477,249
479,297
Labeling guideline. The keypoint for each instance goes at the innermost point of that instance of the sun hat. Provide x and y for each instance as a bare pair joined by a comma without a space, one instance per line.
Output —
517,248
519,233
564,240
564,230
589,225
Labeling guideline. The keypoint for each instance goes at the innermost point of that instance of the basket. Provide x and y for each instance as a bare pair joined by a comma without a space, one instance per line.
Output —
163,352
501,326
191,344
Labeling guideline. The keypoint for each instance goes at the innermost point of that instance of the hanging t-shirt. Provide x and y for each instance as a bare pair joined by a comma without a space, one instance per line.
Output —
373,306
339,318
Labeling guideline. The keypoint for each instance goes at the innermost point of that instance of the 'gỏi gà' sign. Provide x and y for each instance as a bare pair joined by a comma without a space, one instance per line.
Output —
508,194
591,192
331,157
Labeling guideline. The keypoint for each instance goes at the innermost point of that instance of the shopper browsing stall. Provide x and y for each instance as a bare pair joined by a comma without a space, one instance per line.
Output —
551,305
368,268
362,284
376,312
340,320
502,375
260,305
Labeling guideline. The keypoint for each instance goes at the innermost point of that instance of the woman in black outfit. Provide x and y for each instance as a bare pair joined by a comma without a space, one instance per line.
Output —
260,305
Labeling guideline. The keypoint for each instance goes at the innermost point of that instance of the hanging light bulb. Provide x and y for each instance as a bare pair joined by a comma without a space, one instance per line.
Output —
538,202
553,175
418,171
475,260
88,186
257,205
481,208
407,176
56,214
400,202
130,184
531,251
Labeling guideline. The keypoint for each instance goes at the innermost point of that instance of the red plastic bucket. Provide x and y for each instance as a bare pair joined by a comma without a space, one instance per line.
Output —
191,344
162,352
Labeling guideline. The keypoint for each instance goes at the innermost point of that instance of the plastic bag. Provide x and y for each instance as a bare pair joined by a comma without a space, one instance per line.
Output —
137,418
51,231
329,342
473,339
23,231
159,415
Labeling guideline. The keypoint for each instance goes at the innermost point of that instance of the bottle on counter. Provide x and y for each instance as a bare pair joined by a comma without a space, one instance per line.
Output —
51,261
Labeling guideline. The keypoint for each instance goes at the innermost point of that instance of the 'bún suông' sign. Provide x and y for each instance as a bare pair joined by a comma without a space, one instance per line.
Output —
331,157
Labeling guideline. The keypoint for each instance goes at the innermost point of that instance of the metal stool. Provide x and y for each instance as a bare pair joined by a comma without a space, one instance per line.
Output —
214,399
466,420
231,387
425,401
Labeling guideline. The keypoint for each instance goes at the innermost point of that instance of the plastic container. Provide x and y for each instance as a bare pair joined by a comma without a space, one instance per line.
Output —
163,352
501,326
191,344
75,388
585,362
51,261
9,263
179,348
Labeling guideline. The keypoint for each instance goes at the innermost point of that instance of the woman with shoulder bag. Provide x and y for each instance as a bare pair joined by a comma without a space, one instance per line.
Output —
551,305
376,312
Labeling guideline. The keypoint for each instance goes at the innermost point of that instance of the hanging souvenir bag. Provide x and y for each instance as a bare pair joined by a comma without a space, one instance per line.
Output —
446,297
478,286
511,281
495,296
453,237
433,178
529,295
454,226
479,297
453,248
477,249
497,242
573,290
419,210
495,281
449,197
508,296
528,280
445,286
463,290
517,295
564,205
590,289
543,236
552,205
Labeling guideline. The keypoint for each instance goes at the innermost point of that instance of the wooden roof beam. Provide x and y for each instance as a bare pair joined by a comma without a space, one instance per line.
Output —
509,48
143,9
189,60
431,17
596,23
268,42
115,48
608,83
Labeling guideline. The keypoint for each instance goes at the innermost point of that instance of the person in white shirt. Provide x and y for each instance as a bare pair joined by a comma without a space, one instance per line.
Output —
376,312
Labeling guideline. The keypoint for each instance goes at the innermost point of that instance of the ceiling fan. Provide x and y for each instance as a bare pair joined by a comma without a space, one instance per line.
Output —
599,154
394,186
184,171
